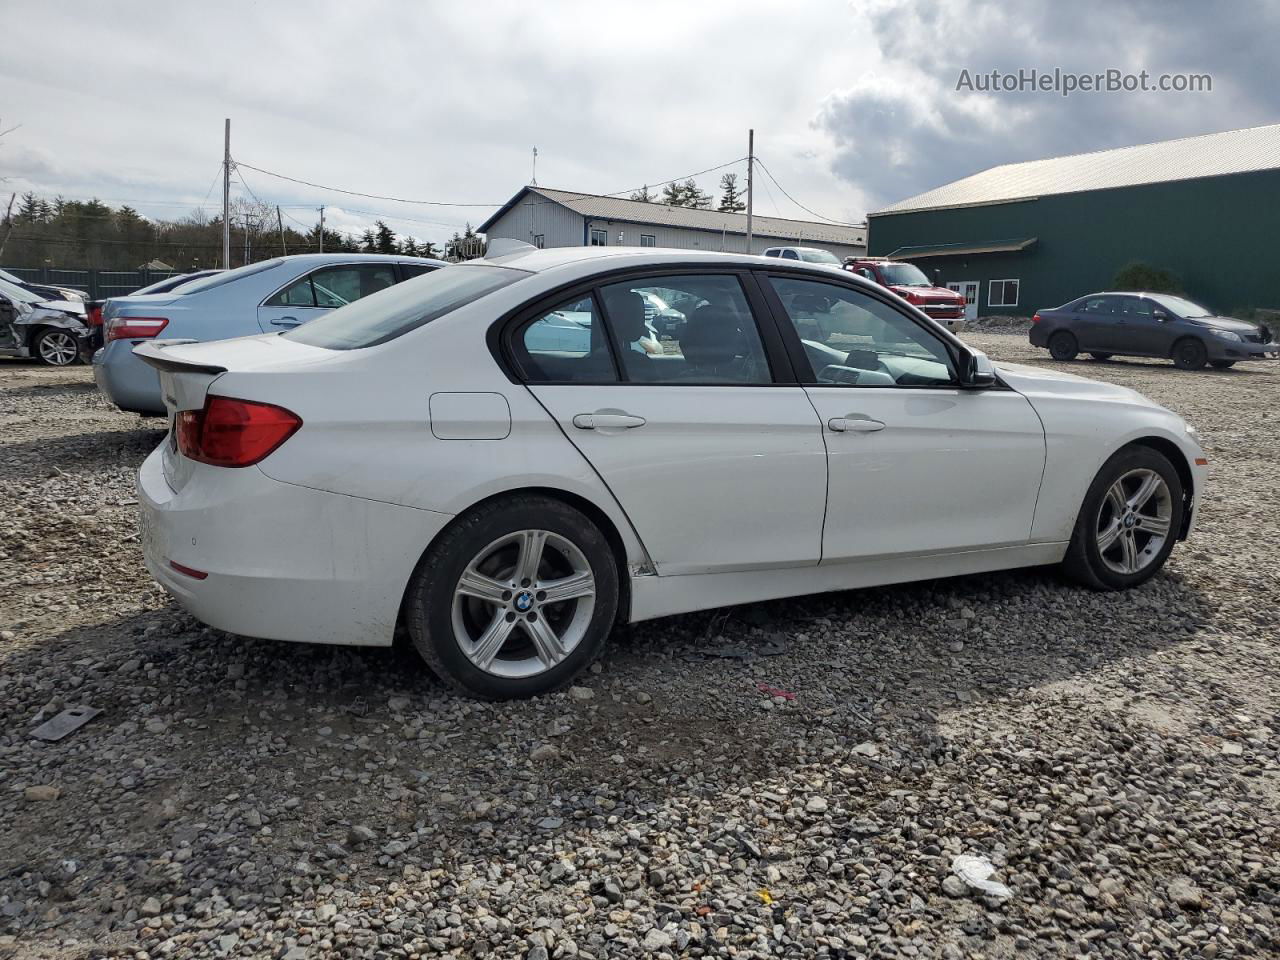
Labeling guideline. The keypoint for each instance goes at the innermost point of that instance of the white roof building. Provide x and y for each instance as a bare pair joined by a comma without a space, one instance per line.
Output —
563,218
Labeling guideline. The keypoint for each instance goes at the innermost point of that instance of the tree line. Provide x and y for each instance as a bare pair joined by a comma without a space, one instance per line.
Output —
687,193
42,232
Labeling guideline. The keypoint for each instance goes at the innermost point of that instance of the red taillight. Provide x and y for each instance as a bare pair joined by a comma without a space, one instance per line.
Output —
1036,318
93,315
233,433
134,328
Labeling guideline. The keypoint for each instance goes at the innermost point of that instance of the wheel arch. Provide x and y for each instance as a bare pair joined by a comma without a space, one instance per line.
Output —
598,516
1173,348
1175,455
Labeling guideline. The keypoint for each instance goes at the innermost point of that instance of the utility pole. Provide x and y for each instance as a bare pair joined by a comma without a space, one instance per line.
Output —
280,223
247,247
533,177
226,198
322,229
751,163
8,220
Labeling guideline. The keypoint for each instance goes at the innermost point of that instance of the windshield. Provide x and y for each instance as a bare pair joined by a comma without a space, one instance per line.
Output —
812,255
389,313
14,292
218,279
1183,308
904,275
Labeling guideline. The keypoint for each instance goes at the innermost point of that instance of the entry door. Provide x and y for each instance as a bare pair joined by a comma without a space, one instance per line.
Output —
718,467
969,290
916,464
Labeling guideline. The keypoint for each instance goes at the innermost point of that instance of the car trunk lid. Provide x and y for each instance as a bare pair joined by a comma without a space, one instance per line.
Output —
187,369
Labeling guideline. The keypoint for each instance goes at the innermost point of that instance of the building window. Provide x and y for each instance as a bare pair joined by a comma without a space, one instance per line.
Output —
539,240
648,240
599,238
1002,293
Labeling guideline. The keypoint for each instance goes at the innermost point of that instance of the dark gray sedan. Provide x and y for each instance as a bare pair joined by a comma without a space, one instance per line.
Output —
1110,324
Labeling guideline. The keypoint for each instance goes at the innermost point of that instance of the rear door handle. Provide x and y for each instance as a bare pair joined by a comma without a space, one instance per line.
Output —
285,322
606,421
855,423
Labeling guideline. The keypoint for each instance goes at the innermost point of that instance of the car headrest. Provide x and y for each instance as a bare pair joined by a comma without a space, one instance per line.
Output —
626,312
712,337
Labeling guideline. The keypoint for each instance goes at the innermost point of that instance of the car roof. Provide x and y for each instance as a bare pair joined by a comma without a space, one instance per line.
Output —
536,260
322,258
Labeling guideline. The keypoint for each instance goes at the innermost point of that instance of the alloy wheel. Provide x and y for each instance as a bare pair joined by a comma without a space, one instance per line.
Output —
523,603
1133,521
58,349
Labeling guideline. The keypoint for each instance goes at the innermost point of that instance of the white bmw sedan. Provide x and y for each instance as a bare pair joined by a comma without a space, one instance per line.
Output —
431,457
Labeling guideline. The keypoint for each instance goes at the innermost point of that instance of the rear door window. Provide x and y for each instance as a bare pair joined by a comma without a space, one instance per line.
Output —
718,342
296,294
567,344
346,283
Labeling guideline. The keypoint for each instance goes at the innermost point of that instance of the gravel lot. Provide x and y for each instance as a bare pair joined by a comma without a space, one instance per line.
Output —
1113,756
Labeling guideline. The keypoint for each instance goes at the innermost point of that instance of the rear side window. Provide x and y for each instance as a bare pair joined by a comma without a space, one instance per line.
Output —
567,344
411,270
296,294
395,311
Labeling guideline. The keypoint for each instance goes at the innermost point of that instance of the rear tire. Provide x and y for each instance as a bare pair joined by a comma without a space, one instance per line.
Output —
1189,354
1128,523
1101,356
480,610
1063,346
1222,364
55,347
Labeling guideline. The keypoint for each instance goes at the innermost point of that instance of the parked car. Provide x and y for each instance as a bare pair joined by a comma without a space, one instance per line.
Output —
51,331
266,297
1132,324
48,292
910,283
417,458
93,308
807,254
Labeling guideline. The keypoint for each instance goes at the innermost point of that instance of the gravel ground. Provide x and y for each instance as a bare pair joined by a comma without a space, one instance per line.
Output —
1113,756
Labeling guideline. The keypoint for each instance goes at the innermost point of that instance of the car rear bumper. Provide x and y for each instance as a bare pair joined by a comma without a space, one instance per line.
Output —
281,562
125,380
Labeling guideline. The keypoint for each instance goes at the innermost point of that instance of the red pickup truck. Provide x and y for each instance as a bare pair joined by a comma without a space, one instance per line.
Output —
909,282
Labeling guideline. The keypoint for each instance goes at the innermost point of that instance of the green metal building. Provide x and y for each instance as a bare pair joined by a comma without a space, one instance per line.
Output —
1023,236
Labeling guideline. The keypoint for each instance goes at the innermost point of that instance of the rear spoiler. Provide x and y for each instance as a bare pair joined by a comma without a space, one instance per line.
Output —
152,352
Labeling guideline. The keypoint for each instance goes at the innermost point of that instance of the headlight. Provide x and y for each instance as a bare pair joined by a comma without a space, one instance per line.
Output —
1226,335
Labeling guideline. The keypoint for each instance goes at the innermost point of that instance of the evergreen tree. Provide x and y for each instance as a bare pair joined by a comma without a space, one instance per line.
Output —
409,247
28,208
730,198
368,243
695,196
673,195
385,241
644,195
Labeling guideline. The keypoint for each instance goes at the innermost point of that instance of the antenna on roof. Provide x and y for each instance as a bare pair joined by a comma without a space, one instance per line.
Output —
533,178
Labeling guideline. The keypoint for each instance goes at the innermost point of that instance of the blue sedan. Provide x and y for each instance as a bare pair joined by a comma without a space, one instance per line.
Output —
264,297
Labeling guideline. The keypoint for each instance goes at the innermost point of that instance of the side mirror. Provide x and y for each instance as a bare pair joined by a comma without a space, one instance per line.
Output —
977,373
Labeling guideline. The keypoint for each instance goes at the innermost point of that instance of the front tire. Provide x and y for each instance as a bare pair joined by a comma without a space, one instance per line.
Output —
1189,354
55,348
516,599
1128,523
1063,346
1222,364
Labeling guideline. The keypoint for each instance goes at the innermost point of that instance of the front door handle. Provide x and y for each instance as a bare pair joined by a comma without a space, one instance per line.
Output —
606,421
855,423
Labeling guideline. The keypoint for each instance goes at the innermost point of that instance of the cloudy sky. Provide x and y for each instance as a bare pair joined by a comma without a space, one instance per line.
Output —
854,103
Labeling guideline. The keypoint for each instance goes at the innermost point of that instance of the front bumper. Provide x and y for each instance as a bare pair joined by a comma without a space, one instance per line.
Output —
1229,350
282,562
126,381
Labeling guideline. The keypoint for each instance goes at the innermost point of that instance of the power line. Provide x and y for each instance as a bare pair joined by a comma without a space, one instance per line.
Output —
812,213
369,196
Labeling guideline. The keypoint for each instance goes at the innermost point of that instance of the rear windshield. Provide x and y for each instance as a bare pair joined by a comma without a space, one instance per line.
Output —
389,313
218,279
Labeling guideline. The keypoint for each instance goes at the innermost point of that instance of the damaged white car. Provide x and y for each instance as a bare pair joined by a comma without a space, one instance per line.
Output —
52,331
